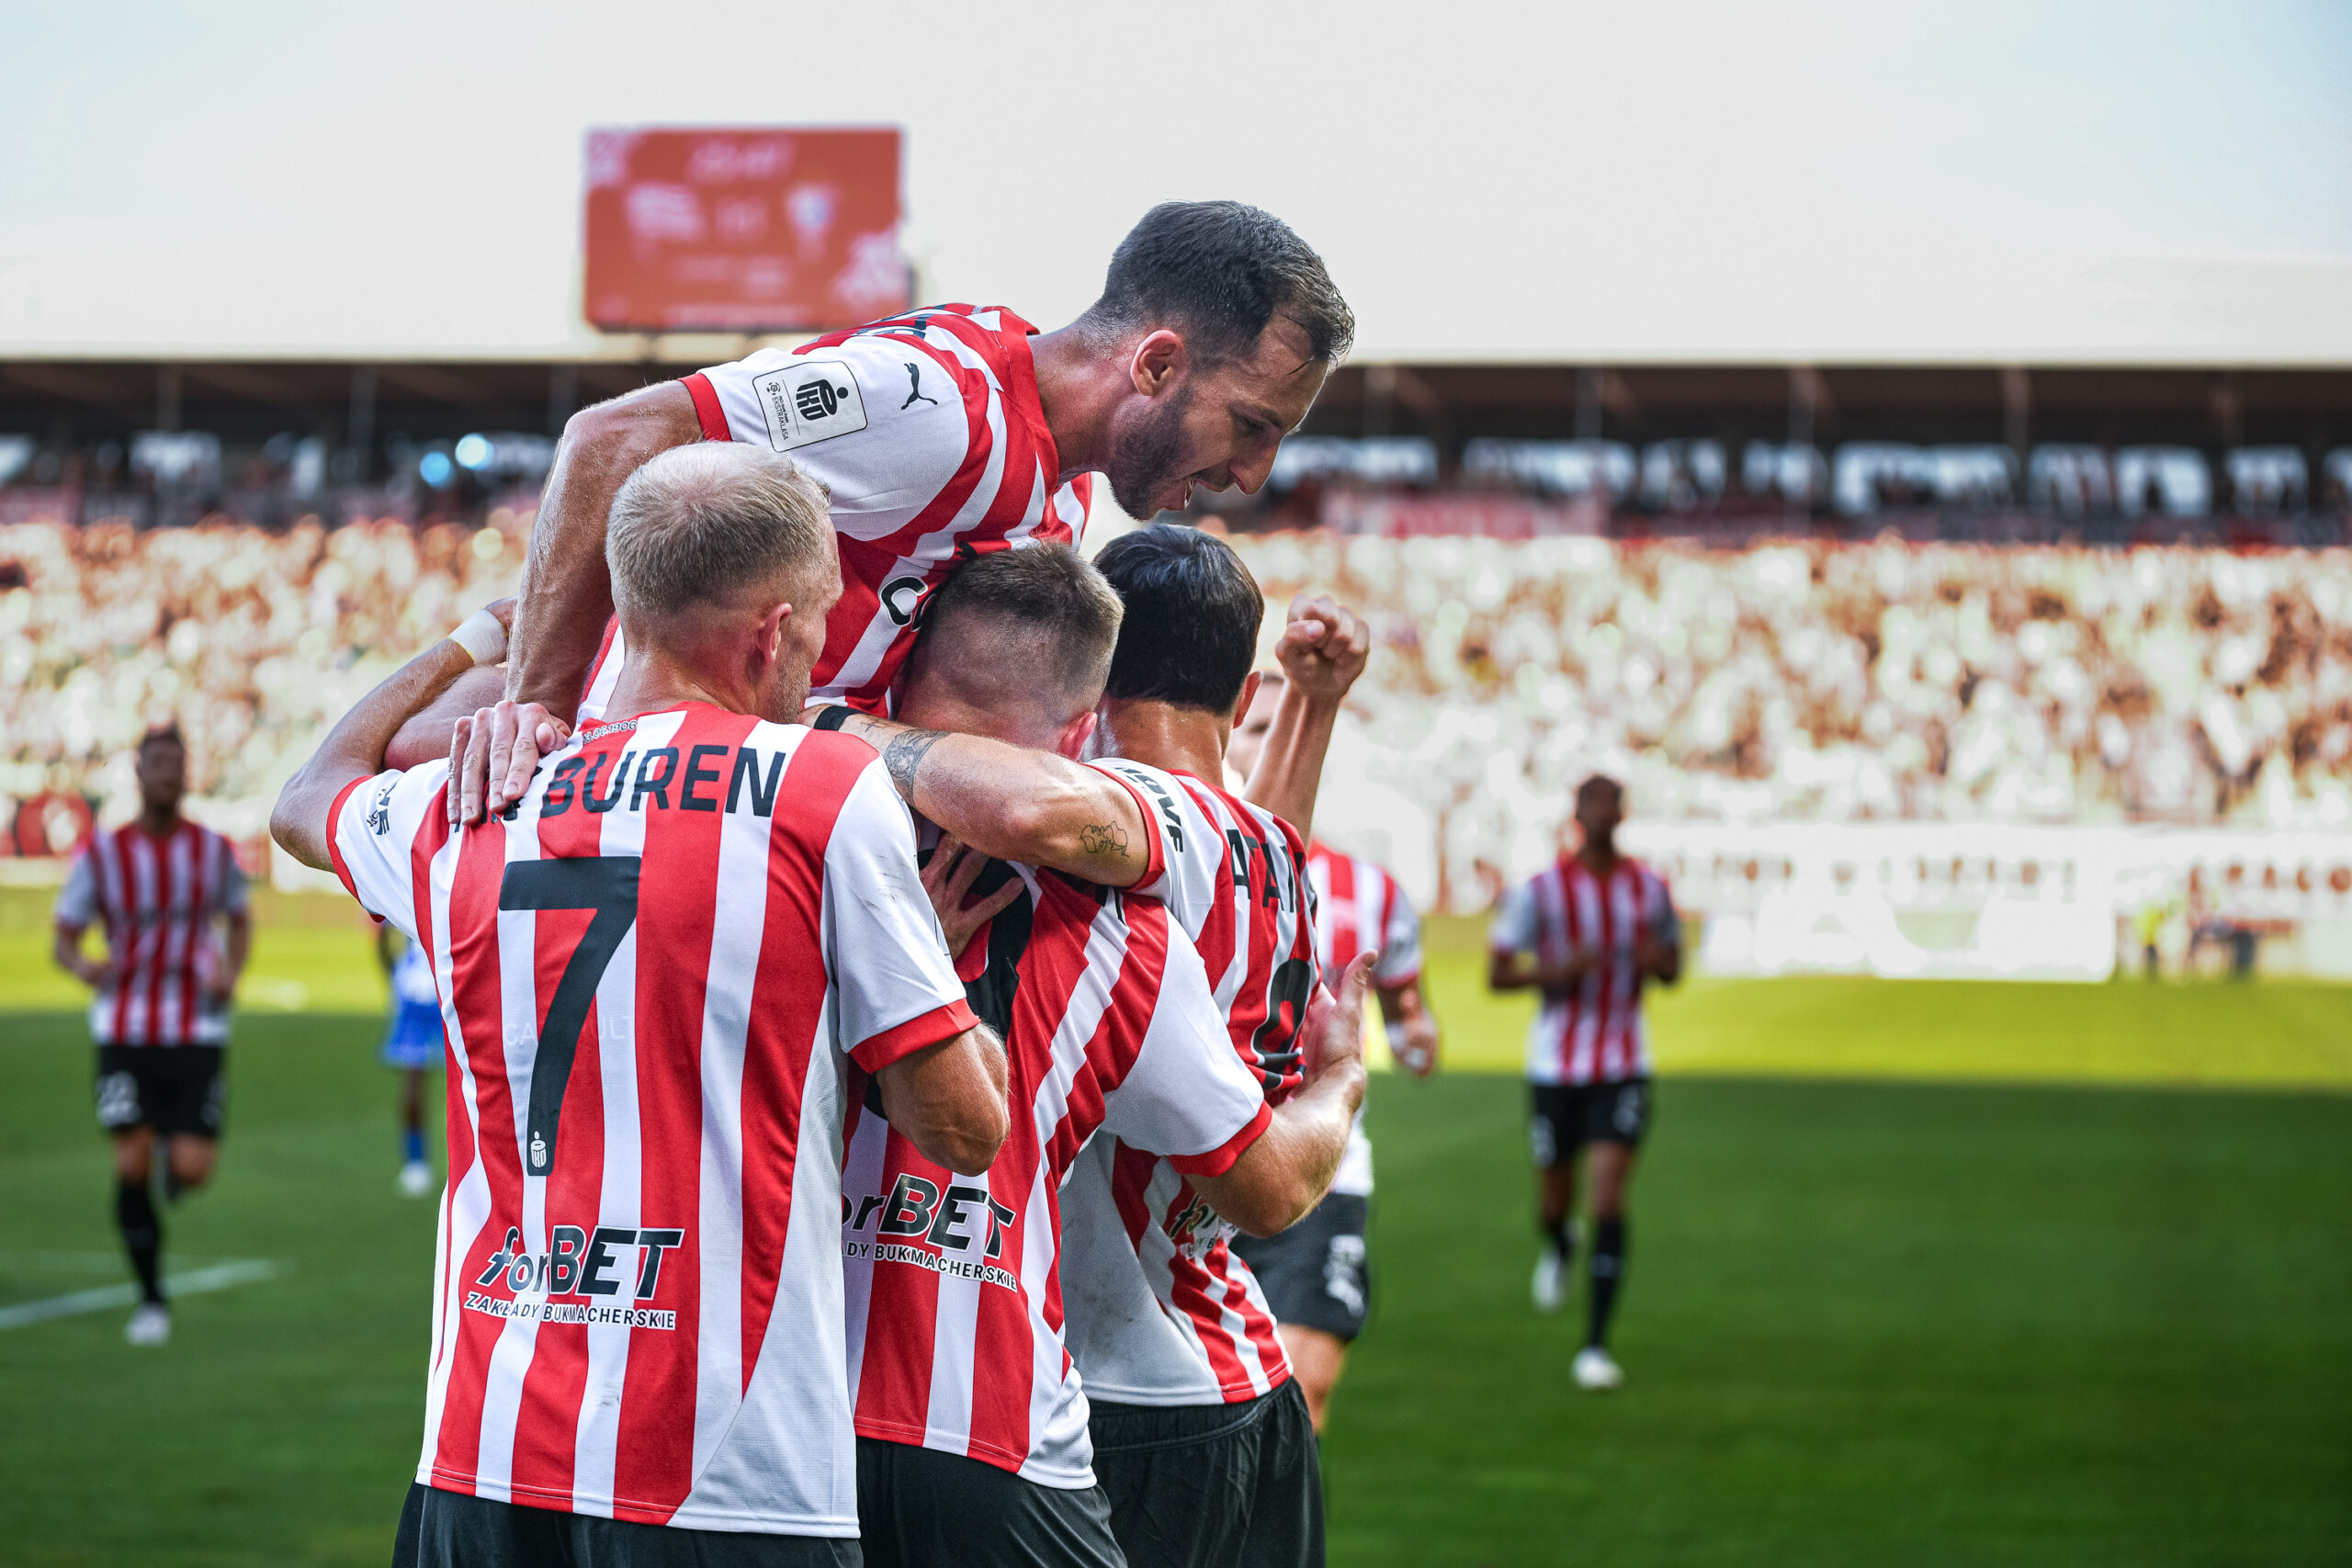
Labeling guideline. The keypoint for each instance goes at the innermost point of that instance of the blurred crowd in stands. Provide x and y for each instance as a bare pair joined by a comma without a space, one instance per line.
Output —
1883,679
254,640
1781,680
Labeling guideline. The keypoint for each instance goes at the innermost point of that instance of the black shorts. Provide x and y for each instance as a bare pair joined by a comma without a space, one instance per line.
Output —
1237,1485
917,1506
173,1089
1569,1116
454,1529
1316,1274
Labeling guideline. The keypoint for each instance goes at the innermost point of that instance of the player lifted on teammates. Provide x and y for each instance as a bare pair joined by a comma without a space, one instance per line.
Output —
1214,332
161,886
1589,932
1317,1274
658,974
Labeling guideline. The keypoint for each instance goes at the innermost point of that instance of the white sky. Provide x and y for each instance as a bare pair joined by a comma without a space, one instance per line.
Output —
2089,181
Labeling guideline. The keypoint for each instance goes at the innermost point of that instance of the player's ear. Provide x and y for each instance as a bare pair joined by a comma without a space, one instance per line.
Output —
767,636
1249,685
1075,735
1158,363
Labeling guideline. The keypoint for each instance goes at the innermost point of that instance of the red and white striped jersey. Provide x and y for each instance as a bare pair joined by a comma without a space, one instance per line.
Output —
1593,1032
161,900
927,430
1160,1309
653,976
955,1297
1358,905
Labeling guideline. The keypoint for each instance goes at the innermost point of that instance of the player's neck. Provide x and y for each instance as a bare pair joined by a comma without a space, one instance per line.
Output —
1600,858
159,821
1076,397
655,680
1163,735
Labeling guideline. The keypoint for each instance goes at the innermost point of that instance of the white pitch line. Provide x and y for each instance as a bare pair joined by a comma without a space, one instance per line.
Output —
220,1277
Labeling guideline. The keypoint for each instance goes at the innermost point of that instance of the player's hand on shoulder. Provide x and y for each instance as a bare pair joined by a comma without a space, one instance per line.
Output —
949,876
495,752
1324,646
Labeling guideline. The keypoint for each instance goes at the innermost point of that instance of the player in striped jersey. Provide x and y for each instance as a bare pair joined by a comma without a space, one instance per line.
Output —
1201,1439
972,1422
1317,1274
940,434
1589,932
656,973
161,886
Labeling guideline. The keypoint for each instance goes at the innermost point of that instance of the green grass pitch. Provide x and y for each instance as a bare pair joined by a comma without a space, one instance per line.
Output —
1873,1316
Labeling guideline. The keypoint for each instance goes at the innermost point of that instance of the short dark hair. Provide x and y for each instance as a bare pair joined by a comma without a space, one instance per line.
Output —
1048,589
1193,611
157,733
1221,270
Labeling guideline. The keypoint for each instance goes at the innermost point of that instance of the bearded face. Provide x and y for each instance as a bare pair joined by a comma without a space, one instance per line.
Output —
1147,469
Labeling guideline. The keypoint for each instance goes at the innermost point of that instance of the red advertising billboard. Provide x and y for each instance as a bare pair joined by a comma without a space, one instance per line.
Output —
773,229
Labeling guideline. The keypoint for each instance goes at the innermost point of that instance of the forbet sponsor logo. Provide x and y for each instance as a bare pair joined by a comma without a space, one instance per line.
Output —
580,1278
958,1231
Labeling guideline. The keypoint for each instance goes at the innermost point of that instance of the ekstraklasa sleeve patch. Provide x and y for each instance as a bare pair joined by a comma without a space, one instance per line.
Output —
809,401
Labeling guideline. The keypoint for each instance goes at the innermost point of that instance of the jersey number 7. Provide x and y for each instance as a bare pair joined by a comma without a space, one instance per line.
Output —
606,884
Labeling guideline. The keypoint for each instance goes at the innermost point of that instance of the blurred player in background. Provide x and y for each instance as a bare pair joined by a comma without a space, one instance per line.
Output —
1317,1274
162,887
1588,932
411,1045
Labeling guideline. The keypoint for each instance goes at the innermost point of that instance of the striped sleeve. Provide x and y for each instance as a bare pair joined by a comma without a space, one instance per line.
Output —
77,901
1400,938
882,420
1513,930
1188,1095
372,832
895,987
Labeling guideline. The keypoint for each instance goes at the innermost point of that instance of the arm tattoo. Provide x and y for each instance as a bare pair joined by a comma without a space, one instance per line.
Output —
905,753
1103,838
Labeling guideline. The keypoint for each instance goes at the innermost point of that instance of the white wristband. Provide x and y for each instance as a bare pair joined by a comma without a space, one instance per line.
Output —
482,638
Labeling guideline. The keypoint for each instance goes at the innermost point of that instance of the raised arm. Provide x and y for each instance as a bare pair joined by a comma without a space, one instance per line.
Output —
1010,803
567,591
1289,1168
1323,650
354,748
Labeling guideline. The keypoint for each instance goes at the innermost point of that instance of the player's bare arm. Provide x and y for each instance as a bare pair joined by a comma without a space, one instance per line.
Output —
1290,1166
948,1099
66,949
1012,803
1656,960
241,947
567,590
354,748
1412,1028
1520,972
1323,650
